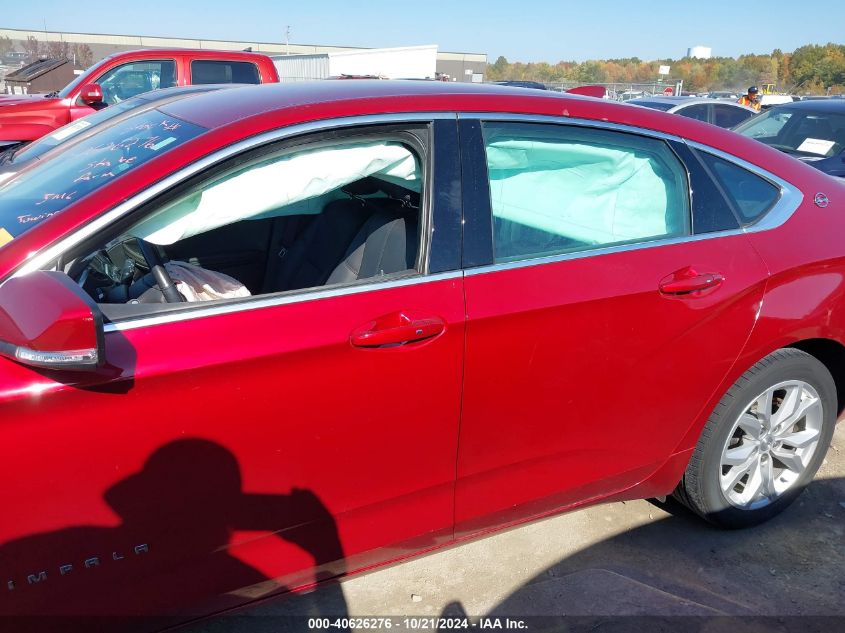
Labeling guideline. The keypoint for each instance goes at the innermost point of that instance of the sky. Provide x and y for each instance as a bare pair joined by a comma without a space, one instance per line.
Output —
521,30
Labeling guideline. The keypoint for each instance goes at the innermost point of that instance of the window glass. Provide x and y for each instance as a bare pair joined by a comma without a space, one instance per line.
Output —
697,112
751,195
67,132
557,189
206,71
132,79
711,211
728,116
49,187
326,213
767,126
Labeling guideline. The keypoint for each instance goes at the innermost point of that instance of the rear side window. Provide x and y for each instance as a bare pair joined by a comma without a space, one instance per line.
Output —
208,71
751,195
697,112
557,189
711,211
728,116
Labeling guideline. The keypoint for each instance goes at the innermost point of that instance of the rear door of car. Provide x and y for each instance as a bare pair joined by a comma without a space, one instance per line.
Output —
588,356
230,451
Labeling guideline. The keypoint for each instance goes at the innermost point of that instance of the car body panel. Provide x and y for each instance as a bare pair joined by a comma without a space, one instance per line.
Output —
591,354
251,392
345,457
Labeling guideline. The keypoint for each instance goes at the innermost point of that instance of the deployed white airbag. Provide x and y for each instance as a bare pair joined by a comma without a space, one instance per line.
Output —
282,186
200,284
596,195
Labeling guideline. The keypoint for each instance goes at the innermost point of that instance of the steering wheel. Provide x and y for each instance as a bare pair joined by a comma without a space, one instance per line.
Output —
160,274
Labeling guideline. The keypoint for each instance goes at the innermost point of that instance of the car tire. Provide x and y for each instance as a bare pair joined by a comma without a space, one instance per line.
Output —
749,466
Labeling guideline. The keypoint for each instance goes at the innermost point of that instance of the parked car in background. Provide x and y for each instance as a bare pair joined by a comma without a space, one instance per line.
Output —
262,337
768,101
14,160
724,114
24,118
724,94
812,131
522,84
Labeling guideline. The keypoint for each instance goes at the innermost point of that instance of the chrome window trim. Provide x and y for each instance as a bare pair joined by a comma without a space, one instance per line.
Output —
41,258
606,250
271,301
789,201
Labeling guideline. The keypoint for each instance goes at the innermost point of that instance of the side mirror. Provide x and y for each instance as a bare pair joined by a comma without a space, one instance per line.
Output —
91,94
47,321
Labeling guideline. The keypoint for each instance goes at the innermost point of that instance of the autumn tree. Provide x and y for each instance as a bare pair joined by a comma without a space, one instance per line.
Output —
81,55
32,47
57,50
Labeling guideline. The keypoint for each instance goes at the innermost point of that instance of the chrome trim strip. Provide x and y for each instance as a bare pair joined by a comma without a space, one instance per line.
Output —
217,309
41,258
790,196
607,250
567,120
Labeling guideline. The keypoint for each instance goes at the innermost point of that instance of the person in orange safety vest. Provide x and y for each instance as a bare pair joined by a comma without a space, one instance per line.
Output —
751,99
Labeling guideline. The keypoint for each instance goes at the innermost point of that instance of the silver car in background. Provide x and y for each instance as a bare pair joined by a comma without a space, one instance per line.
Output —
726,114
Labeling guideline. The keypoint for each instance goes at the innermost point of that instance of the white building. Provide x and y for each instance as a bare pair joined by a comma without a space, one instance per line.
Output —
700,52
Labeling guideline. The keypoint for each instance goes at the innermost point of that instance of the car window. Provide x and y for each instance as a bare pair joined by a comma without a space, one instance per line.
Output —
751,195
711,211
207,71
128,80
767,126
697,112
71,130
319,214
47,188
557,189
728,116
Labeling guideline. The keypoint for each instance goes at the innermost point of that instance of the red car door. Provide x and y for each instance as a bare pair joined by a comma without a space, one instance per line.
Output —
235,450
604,322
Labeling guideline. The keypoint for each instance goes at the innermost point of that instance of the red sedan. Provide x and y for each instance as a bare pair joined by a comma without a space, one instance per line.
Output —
262,337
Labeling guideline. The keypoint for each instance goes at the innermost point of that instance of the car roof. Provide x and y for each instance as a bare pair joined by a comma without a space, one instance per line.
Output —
815,105
197,53
216,109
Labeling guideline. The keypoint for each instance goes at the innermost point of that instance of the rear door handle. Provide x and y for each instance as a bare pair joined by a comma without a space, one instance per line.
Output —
397,329
688,281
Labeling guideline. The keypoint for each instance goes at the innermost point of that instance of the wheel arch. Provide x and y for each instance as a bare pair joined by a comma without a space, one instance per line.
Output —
828,351
831,354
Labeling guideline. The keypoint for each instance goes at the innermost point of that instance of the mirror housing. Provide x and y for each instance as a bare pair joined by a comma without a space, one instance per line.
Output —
91,94
48,321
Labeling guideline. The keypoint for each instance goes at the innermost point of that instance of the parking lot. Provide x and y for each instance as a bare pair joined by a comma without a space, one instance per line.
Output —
620,559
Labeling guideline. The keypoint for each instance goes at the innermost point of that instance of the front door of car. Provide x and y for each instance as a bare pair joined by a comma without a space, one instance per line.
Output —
603,324
230,450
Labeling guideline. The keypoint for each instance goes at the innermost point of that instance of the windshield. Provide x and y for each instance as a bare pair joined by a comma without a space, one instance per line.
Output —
797,131
47,188
71,130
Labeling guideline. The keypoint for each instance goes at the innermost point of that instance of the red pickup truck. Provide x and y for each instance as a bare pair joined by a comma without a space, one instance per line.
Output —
25,118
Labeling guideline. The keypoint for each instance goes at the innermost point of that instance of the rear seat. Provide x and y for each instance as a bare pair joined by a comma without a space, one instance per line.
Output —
347,241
